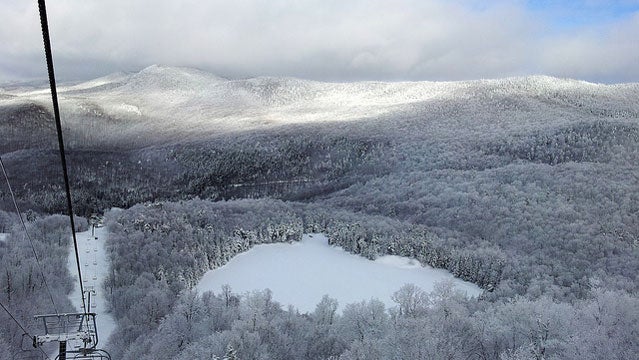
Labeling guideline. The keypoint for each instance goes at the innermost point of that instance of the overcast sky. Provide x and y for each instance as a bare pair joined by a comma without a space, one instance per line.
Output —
334,40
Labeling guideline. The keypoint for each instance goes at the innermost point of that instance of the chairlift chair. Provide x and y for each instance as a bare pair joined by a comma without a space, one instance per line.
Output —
96,354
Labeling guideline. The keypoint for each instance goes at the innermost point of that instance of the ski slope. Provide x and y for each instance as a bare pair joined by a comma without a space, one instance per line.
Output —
301,273
95,267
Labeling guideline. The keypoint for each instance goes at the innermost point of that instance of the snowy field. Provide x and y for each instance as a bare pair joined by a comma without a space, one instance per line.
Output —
93,261
301,273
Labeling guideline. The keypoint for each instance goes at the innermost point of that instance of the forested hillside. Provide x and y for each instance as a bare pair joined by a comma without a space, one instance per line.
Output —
24,290
525,186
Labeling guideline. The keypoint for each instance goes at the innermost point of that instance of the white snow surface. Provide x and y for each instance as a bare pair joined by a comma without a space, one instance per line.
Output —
3,237
95,267
300,273
175,104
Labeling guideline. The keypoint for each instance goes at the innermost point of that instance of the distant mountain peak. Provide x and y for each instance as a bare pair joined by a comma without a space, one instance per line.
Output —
162,77
168,99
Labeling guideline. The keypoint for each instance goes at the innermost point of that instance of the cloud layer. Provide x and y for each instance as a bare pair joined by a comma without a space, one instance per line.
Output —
325,39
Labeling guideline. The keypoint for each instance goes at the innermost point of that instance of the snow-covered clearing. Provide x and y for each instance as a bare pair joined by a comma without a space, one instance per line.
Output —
301,273
95,267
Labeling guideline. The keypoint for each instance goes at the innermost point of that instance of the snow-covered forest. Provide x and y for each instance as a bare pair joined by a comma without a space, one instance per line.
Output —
24,290
526,187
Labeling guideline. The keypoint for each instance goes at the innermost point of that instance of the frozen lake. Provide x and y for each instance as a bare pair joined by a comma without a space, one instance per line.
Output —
301,273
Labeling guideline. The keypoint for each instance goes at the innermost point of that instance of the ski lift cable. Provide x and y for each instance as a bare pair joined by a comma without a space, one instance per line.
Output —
56,114
21,327
24,226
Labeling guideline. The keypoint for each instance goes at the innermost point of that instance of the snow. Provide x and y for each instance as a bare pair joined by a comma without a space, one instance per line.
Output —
181,103
95,267
3,237
127,108
301,273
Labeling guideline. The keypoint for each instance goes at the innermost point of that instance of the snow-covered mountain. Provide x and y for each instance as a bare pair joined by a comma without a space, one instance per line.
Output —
525,186
177,103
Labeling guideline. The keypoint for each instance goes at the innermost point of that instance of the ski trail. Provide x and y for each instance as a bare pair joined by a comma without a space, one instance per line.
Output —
95,267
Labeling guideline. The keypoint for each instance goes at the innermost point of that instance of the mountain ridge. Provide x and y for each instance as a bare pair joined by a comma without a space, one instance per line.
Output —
164,103
176,72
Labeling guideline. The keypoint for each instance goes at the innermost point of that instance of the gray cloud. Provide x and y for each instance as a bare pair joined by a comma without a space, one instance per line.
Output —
318,39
